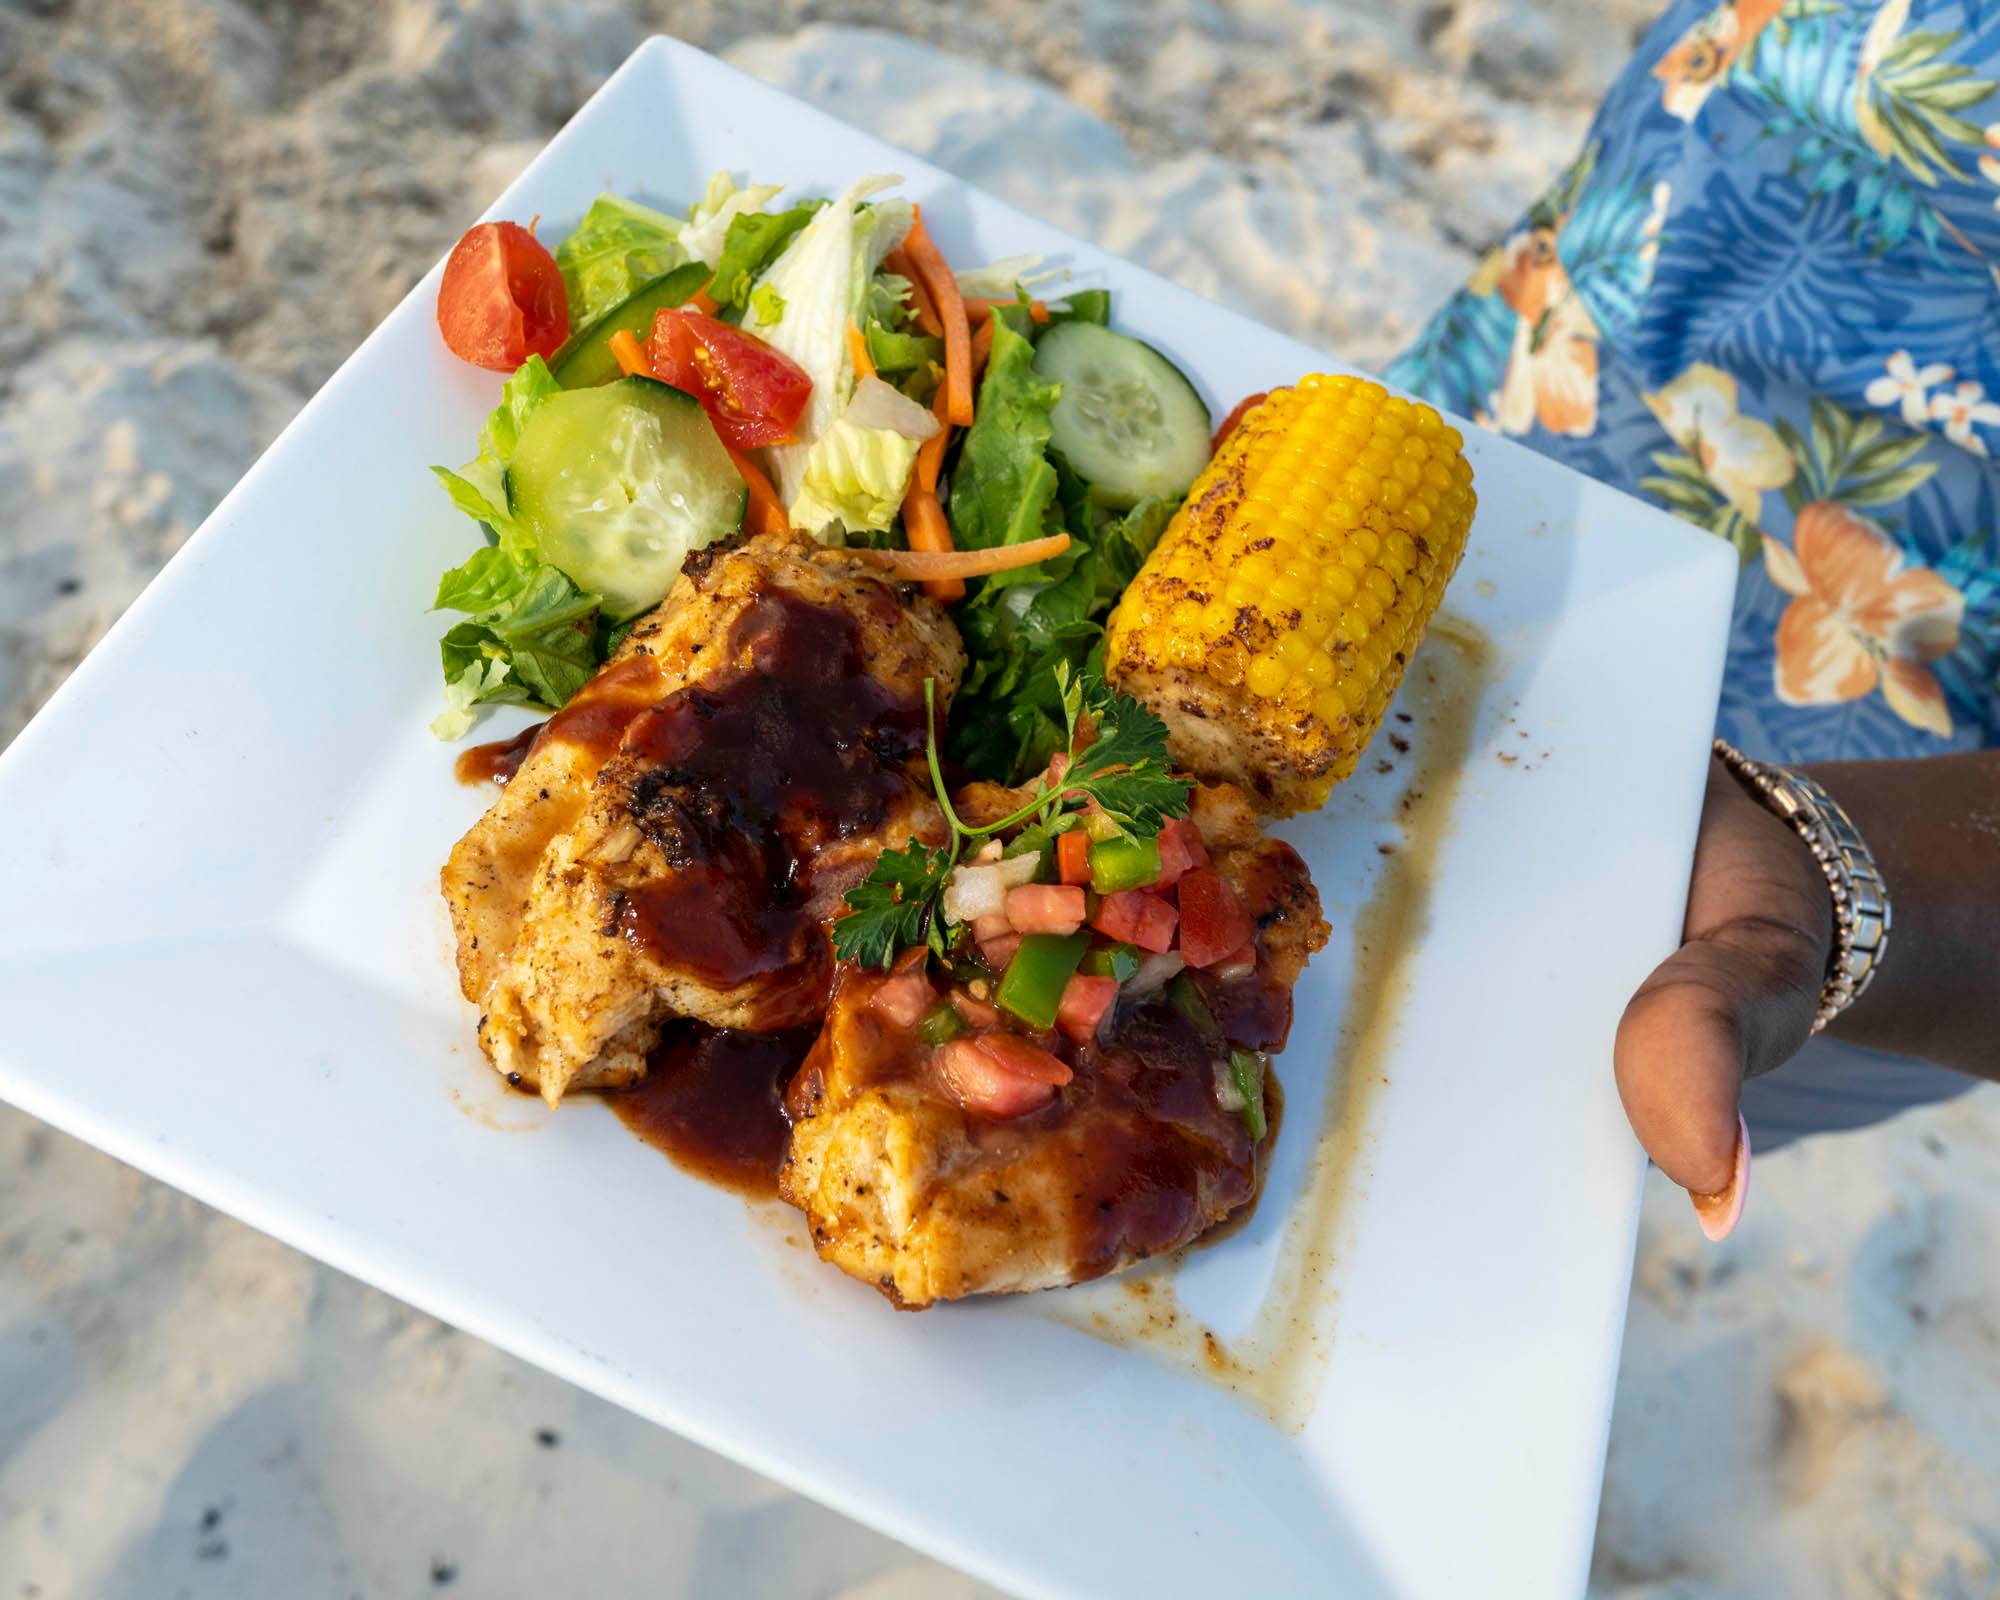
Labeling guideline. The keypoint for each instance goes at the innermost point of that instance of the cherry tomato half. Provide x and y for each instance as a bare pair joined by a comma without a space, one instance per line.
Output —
752,393
502,299
1243,408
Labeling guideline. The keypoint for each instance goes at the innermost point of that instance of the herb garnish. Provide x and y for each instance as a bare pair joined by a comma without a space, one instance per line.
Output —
1123,770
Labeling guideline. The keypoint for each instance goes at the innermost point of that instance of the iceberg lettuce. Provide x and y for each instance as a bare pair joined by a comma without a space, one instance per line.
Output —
822,282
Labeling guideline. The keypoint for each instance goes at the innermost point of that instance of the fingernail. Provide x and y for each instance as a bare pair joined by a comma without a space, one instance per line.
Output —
1718,1213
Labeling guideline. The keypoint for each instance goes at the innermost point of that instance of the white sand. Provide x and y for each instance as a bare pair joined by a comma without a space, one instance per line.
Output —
202,211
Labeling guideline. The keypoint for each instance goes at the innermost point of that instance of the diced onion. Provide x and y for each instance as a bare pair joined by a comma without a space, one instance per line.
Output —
1227,1095
981,891
1155,973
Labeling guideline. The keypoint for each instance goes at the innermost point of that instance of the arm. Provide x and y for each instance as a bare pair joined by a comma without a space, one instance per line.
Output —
1737,999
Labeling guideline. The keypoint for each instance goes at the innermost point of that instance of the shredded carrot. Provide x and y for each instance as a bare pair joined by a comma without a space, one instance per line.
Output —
631,357
982,347
978,311
936,277
920,299
766,512
930,565
930,454
703,302
924,525
857,350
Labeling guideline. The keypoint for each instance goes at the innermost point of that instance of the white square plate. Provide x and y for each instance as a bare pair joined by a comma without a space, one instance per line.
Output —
223,959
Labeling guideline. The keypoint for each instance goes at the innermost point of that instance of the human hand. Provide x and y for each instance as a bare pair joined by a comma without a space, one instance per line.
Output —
1736,1000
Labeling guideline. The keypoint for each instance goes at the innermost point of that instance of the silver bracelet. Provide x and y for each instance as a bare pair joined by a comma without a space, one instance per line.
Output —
1861,913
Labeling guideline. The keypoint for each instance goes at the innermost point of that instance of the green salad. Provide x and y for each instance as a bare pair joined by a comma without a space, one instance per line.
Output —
758,365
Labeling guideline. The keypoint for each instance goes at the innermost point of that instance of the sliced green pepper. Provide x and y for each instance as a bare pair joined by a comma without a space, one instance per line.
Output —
1124,864
1032,986
1185,998
1246,1071
1116,961
941,1024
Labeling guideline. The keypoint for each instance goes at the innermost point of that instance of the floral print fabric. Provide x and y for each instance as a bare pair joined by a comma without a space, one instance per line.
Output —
1767,297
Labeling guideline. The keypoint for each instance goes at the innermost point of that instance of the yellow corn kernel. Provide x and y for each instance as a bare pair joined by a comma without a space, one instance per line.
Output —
1271,625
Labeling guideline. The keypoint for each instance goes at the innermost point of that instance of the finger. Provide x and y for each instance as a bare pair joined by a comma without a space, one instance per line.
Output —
1729,1005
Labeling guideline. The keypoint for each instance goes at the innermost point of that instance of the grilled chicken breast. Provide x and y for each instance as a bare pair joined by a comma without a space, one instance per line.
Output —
907,1190
678,833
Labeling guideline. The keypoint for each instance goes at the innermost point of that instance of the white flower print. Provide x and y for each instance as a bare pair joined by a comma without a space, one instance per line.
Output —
1989,166
1959,410
1908,383
1656,216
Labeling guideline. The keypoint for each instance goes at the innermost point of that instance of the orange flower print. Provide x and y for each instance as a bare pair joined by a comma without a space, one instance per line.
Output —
1703,55
1860,616
1552,370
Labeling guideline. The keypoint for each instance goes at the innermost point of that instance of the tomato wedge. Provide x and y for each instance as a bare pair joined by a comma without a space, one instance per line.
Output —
906,994
752,393
1084,1003
1243,408
1214,925
502,298
1136,916
1045,908
999,1074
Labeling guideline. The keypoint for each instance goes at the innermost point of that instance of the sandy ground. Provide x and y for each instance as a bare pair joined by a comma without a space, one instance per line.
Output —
204,206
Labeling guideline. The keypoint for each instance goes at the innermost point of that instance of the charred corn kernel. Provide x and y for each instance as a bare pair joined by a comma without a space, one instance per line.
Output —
1272,623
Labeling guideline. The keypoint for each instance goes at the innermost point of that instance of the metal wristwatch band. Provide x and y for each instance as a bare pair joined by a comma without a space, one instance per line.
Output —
1861,911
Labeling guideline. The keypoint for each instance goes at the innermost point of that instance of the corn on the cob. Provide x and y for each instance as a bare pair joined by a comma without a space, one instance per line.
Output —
1271,625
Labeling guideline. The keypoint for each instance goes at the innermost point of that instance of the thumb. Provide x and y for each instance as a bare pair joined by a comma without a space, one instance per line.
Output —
1733,1003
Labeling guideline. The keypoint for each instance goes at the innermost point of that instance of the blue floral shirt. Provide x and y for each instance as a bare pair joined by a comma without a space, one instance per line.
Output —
1767,297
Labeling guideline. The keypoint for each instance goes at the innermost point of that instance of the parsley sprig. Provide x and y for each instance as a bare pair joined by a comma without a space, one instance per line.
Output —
1124,770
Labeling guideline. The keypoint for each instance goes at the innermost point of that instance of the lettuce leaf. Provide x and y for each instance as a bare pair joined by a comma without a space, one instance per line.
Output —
1003,485
618,246
889,300
1009,484
479,488
479,682
754,241
1086,305
822,279
531,636
855,476
1123,543
716,214
893,350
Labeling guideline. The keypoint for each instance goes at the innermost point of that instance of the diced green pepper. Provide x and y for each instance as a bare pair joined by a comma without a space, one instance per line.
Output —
1246,1071
1185,998
1032,986
941,1024
1116,961
1124,864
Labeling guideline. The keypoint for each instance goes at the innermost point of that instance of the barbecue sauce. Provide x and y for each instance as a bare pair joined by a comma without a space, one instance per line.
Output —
742,780
593,722
498,760
712,1102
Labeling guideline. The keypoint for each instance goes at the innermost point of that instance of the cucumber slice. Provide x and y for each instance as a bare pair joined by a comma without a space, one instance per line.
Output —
1127,420
618,483
586,359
